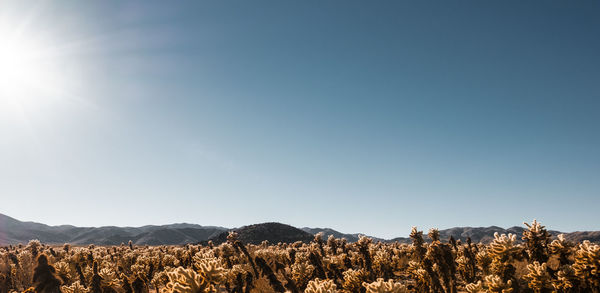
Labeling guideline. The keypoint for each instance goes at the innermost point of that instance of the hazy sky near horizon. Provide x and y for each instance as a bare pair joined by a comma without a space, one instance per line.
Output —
362,116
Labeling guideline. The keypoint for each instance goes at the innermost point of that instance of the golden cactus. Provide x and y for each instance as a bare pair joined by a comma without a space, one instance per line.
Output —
587,264
76,287
210,268
538,277
475,287
353,279
536,239
434,234
495,284
565,279
321,286
503,246
301,273
183,280
503,250
381,286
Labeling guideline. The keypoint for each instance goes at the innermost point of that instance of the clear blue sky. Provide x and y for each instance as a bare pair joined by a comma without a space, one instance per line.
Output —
362,116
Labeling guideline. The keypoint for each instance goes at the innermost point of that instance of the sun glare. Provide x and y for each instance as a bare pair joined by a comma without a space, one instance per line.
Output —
28,73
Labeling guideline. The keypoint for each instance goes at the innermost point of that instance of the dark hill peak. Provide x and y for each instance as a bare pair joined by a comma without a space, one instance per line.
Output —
271,231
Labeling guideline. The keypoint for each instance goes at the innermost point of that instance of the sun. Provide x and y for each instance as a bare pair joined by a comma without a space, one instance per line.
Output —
40,68
28,70
24,72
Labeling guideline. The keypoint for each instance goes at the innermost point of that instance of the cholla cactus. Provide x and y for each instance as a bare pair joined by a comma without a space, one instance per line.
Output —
363,244
170,260
76,287
565,279
382,262
337,260
272,256
319,240
434,234
321,286
484,260
63,271
353,279
495,284
109,278
418,249
503,251
161,279
420,276
538,277
209,267
24,271
332,243
381,286
301,273
183,280
561,248
140,269
503,246
475,288
34,246
536,240
587,264
444,265
364,241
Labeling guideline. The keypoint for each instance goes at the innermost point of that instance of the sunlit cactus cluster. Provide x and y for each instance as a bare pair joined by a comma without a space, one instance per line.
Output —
536,262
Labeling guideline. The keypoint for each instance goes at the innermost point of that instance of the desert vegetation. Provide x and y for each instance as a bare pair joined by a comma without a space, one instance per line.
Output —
533,263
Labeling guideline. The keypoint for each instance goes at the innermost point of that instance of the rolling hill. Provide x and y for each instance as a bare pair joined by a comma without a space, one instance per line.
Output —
272,232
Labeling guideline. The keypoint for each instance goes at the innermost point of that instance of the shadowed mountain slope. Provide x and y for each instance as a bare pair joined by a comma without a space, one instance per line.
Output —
272,232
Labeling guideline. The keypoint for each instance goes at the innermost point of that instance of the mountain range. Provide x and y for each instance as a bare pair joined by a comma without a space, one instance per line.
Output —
13,231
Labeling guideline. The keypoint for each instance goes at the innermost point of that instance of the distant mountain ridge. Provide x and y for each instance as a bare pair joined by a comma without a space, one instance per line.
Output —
477,234
13,231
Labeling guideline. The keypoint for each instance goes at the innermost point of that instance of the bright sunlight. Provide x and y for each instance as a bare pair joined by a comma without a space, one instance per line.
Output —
29,73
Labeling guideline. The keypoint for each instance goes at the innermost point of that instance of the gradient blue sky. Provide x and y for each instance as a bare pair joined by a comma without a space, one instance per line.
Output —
362,116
